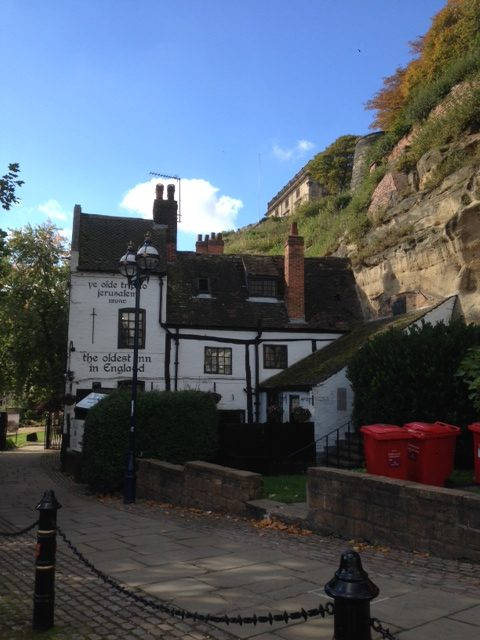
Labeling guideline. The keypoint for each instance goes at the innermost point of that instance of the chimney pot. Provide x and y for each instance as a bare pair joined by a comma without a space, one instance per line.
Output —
165,214
294,229
219,237
213,235
199,237
206,237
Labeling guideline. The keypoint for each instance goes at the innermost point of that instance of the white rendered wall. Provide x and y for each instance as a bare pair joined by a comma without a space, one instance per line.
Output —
97,357
191,374
326,415
95,300
441,313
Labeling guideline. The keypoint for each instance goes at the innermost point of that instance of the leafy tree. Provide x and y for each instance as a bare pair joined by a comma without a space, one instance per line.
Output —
469,371
33,315
388,101
8,184
332,168
448,53
400,376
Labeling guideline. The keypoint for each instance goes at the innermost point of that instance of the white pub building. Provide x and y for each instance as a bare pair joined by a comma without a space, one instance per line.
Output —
208,320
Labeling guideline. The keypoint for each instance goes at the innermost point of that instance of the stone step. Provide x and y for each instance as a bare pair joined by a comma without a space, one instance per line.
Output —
291,514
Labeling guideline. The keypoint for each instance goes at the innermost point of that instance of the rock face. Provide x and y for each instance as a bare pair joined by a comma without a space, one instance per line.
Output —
425,244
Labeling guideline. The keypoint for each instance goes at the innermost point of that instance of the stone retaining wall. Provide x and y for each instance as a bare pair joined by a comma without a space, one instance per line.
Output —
198,484
399,513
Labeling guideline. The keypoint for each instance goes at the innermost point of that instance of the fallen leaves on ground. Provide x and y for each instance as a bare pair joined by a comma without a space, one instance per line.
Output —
361,545
270,523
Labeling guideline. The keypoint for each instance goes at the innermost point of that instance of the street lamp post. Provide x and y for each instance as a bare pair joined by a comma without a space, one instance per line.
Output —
136,267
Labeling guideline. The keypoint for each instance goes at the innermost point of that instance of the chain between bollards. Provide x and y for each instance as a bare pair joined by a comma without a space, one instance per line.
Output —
44,594
350,588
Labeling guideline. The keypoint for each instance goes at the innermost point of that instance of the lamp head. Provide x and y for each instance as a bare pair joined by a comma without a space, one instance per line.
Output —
147,256
128,264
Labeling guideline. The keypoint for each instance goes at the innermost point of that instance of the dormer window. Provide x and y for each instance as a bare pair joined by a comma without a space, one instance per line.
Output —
203,285
262,287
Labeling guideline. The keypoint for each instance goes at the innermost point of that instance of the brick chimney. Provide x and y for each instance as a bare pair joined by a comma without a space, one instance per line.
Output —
165,213
210,245
295,276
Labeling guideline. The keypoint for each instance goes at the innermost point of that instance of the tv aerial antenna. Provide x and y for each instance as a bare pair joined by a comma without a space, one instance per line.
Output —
179,180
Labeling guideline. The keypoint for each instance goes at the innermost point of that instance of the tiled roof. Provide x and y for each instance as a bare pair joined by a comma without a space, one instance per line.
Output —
325,362
331,302
102,240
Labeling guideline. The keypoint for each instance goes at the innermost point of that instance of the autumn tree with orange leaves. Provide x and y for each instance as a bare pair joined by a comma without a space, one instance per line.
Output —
451,48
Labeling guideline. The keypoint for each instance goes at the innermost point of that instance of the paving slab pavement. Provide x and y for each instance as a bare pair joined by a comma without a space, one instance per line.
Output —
205,563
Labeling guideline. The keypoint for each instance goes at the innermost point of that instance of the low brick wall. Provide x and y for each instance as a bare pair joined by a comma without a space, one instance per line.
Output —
399,513
158,480
198,484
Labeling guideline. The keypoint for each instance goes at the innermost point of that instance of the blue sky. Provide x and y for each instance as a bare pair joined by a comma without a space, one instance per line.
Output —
232,96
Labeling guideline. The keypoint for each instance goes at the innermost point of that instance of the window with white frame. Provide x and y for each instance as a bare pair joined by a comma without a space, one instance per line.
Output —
126,328
218,360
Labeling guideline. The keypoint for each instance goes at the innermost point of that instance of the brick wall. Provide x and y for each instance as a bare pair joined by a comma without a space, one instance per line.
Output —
391,185
399,513
198,484
295,275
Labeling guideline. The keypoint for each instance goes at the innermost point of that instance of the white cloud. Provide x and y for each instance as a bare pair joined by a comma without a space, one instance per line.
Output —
297,151
66,233
305,145
203,209
53,210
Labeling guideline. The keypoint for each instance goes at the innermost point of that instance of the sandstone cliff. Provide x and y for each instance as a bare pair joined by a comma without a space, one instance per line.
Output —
425,241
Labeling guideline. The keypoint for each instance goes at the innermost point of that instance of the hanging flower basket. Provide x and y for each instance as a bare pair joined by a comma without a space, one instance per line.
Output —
216,396
299,414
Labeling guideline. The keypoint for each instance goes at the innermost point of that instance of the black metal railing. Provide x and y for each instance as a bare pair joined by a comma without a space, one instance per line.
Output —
353,449
352,455
53,431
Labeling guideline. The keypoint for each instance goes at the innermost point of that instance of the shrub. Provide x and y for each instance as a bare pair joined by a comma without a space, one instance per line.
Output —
173,426
400,376
461,115
469,371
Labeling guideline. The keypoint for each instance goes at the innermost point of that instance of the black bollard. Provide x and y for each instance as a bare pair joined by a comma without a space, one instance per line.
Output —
44,595
352,591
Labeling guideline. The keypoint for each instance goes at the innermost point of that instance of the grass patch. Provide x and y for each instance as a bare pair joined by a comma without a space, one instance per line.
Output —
288,488
20,440
462,114
324,223
460,478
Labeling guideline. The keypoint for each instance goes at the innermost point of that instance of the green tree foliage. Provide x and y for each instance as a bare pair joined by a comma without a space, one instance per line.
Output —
33,315
332,168
401,376
469,371
172,426
448,53
8,184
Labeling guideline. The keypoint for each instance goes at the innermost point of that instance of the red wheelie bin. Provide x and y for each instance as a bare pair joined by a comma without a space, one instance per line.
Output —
385,447
475,429
431,451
